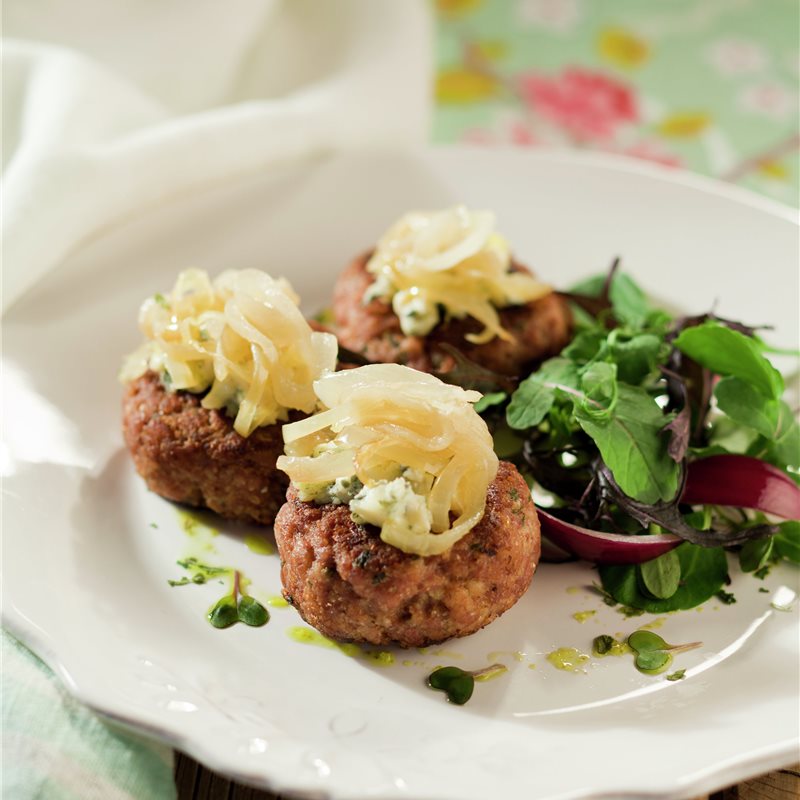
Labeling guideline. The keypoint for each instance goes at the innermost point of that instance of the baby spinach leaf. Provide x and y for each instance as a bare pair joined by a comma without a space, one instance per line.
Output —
787,541
529,404
711,450
594,285
585,346
700,520
704,571
534,397
747,406
599,385
635,357
627,300
661,576
559,373
784,450
728,352
755,555
729,436
488,400
507,443
781,351
633,446
614,289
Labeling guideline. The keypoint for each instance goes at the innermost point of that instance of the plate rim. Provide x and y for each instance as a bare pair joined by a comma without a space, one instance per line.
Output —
678,176
768,759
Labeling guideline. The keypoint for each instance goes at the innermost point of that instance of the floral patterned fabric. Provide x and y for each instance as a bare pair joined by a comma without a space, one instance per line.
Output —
708,85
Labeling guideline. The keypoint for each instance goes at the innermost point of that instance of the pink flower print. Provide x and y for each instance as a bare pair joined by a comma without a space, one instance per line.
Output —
769,100
737,56
521,135
588,105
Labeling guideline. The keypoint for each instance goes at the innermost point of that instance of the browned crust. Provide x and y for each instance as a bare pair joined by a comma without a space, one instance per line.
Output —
540,328
193,455
349,584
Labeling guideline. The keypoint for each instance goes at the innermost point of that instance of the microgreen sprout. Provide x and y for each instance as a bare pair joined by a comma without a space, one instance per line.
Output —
237,607
458,684
251,612
653,654
224,613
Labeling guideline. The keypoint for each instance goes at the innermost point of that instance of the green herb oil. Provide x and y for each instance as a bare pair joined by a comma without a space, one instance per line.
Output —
568,659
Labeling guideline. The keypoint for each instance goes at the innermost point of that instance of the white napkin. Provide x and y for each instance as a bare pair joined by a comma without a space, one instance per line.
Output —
110,107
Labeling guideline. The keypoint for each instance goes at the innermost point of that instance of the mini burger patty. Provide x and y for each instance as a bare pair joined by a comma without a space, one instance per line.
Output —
540,329
350,585
193,455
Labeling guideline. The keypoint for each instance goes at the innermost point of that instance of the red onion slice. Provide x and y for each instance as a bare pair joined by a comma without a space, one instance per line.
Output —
728,480
744,482
602,547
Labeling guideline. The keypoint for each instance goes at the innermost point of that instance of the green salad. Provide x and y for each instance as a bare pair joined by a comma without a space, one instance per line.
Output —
651,430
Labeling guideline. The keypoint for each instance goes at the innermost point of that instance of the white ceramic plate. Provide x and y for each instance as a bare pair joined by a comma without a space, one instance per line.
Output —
86,568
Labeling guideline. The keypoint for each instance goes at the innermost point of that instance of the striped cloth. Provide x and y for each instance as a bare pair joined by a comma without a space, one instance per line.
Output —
53,748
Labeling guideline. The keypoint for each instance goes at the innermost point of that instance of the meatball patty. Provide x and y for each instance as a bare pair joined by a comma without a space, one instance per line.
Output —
349,584
540,329
193,455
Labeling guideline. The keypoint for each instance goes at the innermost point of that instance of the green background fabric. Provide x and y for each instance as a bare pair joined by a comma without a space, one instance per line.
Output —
713,83
56,749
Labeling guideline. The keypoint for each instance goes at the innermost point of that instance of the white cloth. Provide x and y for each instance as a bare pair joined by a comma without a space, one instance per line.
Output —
109,107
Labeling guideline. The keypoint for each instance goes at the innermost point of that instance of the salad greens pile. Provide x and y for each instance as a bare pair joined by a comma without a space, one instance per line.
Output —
607,432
